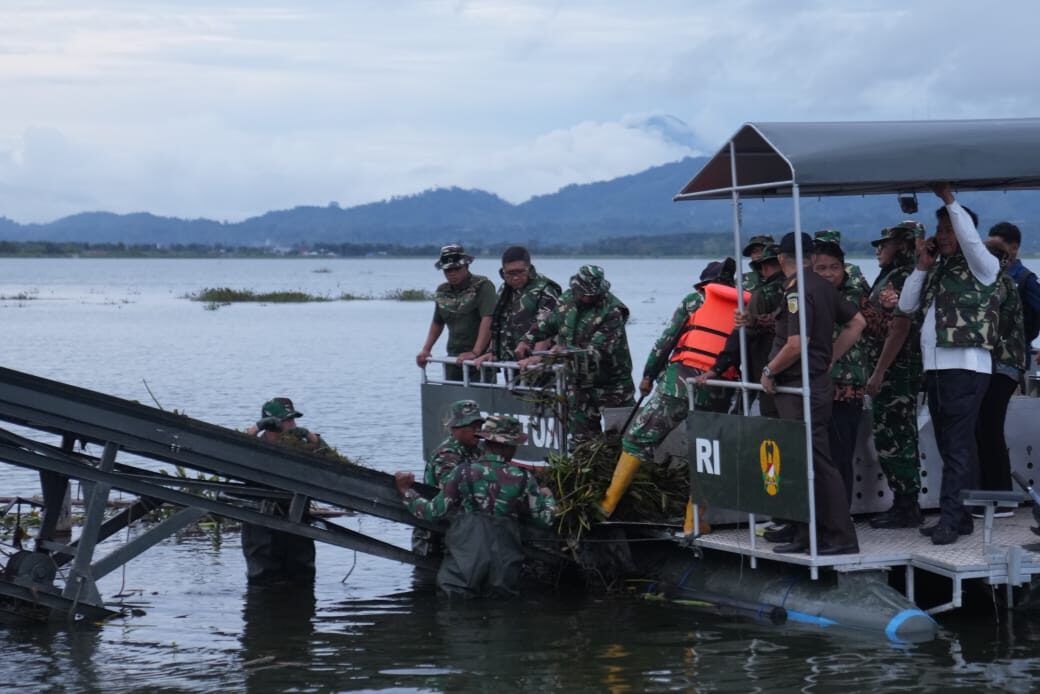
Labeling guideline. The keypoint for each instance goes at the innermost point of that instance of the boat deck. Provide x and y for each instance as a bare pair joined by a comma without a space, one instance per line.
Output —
1008,555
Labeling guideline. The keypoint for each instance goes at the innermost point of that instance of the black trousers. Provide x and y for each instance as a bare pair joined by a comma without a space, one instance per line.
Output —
994,462
954,396
844,429
833,524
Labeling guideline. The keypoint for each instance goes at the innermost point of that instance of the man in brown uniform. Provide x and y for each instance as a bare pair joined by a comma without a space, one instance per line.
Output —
824,308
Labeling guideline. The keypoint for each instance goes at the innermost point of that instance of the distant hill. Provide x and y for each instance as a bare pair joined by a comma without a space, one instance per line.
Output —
637,205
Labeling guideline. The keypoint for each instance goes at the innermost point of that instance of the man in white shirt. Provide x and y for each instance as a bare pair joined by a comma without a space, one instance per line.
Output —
954,285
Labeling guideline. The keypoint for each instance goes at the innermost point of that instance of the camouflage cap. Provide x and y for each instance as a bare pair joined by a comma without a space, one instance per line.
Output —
760,240
453,256
279,408
828,236
464,413
503,428
907,230
590,281
768,253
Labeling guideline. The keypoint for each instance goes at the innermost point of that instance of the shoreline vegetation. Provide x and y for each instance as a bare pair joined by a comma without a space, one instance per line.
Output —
215,297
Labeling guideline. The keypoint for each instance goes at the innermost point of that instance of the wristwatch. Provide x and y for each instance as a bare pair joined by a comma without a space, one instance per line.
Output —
767,372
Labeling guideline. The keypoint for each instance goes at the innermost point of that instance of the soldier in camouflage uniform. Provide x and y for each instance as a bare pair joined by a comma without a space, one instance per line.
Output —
1009,355
759,321
523,297
484,500
753,250
464,304
955,286
461,446
668,406
272,554
893,339
849,372
591,320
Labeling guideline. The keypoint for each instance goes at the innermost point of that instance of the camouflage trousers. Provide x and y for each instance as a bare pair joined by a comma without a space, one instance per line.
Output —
662,413
583,408
894,411
654,421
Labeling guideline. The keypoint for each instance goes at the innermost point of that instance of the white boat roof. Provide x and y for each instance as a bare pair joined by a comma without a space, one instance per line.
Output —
861,158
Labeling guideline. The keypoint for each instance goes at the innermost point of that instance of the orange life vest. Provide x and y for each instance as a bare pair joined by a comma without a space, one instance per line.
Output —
707,328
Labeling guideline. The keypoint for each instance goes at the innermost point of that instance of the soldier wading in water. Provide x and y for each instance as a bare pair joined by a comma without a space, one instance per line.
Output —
484,500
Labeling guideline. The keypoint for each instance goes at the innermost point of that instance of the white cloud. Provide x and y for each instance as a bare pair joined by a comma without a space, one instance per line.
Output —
229,108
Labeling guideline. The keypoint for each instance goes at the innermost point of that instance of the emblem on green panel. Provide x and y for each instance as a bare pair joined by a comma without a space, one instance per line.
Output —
769,459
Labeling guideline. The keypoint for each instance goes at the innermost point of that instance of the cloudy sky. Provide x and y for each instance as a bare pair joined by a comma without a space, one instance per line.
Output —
229,108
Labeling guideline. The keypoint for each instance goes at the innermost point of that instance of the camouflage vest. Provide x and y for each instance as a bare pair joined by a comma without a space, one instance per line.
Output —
851,369
1010,349
895,274
966,311
517,310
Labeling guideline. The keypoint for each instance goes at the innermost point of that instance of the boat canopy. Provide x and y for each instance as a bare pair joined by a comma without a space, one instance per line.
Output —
861,158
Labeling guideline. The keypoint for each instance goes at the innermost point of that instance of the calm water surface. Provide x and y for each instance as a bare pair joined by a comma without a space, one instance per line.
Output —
369,624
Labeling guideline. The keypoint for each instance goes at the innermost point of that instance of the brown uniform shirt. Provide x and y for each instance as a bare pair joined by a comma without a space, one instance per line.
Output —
824,308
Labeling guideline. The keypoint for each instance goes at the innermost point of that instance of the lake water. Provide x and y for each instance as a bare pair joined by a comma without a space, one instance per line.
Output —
370,624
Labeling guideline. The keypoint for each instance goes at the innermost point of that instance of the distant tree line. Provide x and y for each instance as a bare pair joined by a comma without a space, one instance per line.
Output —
662,246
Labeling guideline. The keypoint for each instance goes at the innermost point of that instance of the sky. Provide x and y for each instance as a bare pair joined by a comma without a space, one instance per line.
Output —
226,109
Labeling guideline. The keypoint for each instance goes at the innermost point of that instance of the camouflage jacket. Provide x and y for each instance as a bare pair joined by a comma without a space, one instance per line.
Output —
460,309
751,281
767,299
598,327
517,310
1010,350
658,362
966,311
879,318
447,456
850,372
490,486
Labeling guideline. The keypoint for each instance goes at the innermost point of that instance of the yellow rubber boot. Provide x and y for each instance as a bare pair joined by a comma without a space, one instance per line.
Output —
624,471
702,524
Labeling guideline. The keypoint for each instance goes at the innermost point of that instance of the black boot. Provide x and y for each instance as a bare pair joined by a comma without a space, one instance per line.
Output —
905,513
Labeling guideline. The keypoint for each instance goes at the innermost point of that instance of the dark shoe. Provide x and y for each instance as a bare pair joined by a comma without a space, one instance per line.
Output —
793,547
967,527
944,535
784,533
905,513
830,550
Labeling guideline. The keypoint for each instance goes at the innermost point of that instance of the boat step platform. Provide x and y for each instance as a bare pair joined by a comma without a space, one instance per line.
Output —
1008,555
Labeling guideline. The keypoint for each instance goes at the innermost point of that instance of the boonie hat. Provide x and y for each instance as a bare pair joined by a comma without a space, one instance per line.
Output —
718,272
279,408
787,243
907,230
503,428
590,281
768,253
453,256
464,413
760,240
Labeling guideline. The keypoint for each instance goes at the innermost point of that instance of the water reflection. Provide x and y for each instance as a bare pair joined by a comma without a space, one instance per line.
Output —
277,634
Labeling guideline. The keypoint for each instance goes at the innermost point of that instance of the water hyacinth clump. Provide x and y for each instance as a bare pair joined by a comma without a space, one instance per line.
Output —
409,295
580,478
227,295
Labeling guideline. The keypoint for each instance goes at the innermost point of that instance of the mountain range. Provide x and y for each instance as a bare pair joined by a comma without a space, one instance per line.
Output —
636,205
